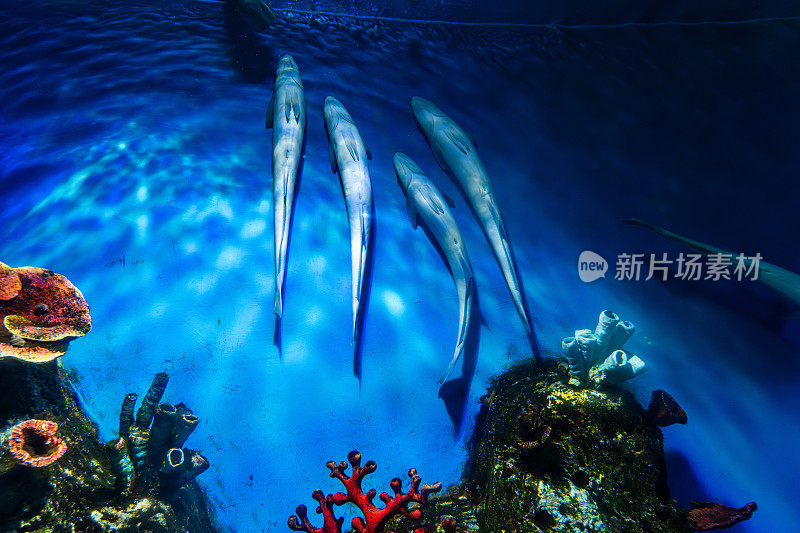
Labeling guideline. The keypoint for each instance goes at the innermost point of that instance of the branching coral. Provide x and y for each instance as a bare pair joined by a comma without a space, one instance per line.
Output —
35,443
375,518
150,448
597,356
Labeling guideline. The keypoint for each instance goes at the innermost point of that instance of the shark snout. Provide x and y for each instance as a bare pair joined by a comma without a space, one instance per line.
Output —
422,108
286,62
332,103
405,168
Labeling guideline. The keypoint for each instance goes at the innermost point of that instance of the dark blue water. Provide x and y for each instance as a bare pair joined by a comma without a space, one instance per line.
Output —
136,131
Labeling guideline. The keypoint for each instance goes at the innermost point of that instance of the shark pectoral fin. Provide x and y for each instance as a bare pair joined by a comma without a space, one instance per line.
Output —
458,138
293,105
270,112
448,200
352,147
332,157
439,159
412,212
369,152
433,202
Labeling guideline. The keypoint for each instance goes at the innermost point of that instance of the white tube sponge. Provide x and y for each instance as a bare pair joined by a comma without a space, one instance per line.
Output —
597,356
623,331
576,360
587,344
618,367
605,328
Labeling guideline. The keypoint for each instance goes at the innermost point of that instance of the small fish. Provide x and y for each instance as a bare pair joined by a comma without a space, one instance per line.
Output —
41,313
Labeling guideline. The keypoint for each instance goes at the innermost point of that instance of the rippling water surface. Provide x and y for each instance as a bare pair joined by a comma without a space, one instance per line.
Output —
134,160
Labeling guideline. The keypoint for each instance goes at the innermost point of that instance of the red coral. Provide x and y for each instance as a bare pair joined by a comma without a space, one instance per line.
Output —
34,443
375,518
331,523
665,411
708,516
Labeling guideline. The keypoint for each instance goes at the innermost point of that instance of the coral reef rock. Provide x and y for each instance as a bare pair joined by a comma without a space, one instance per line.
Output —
83,490
41,313
149,452
547,456
140,516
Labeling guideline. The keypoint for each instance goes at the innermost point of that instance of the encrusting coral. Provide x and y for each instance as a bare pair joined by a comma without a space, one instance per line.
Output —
375,518
41,313
35,443
597,356
709,516
665,411
149,452
85,489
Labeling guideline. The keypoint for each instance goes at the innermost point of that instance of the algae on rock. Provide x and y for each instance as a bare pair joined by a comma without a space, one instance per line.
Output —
79,491
547,456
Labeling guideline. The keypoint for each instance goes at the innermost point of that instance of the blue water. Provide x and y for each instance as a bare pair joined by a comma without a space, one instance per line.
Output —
134,160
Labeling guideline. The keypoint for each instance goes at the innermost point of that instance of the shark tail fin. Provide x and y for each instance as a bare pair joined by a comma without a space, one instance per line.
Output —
453,361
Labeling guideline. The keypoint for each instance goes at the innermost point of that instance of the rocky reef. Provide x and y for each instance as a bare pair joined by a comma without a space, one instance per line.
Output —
40,313
551,456
56,475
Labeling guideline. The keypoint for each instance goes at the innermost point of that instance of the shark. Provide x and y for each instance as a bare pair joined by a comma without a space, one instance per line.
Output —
780,280
456,154
425,203
286,115
348,156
